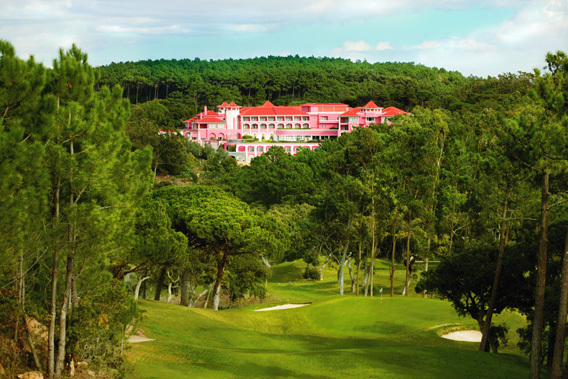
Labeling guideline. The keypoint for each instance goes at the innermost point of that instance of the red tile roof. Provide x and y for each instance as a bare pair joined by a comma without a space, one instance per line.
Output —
393,111
232,104
224,104
210,120
350,112
371,105
267,104
271,110
324,104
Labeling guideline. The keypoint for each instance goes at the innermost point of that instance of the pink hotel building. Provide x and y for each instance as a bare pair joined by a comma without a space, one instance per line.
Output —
253,130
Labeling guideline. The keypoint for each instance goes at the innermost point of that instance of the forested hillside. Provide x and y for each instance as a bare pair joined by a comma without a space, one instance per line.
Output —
475,177
185,86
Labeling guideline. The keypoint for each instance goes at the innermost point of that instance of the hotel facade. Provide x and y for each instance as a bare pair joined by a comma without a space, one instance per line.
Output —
247,132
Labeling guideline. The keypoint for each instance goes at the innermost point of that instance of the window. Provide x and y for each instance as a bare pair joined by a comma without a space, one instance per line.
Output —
246,118
306,118
254,118
323,118
270,118
251,149
297,126
305,126
297,118
263,119
288,149
288,118
280,118
261,149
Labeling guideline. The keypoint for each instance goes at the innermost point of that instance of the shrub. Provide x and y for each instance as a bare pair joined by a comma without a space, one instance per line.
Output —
311,273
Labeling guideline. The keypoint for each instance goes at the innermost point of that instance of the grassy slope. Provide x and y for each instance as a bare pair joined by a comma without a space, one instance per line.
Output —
333,337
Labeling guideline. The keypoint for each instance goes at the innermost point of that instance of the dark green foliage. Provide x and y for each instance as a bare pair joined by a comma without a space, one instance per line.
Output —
311,273
70,182
465,279
185,86
275,178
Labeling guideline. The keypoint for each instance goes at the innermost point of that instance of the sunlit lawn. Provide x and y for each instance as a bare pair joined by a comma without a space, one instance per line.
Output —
334,336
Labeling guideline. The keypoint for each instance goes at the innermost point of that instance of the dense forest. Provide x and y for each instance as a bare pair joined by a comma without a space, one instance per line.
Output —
185,86
476,177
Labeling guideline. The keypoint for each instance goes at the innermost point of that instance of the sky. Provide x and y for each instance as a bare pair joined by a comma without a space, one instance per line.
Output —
475,37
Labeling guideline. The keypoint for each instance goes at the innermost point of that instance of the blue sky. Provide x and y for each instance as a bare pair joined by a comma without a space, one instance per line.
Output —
474,37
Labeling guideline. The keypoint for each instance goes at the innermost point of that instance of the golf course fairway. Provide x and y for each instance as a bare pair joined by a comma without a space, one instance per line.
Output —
332,337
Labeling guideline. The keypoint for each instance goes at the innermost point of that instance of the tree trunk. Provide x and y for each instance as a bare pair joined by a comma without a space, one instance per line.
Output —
366,279
408,254
536,345
393,249
481,323
144,286
558,355
171,286
138,285
351,275
323,266
358,269
373,244
205,291
184,284
160,284
493,298
54,267
426,261
63,317
343,257
220,268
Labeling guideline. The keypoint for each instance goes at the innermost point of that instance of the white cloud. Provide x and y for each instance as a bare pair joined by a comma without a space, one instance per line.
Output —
250,28
520,43
428,45
362,46
172,29
383,46
356,46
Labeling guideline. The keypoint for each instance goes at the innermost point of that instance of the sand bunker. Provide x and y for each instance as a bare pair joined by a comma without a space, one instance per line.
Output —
283,306
139,336
136,339
464,335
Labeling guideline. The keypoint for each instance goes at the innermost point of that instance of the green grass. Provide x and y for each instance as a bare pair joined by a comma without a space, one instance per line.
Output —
335,336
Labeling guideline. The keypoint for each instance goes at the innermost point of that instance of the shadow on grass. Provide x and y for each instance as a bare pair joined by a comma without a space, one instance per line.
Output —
251,369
